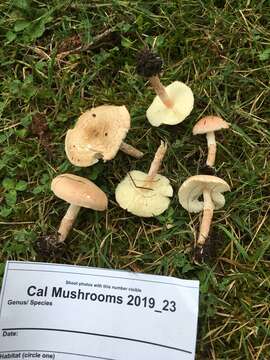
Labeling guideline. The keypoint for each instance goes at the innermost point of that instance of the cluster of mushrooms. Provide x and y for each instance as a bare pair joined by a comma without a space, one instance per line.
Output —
99,134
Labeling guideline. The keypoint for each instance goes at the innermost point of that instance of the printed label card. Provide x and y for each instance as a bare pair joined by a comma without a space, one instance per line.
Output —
65,312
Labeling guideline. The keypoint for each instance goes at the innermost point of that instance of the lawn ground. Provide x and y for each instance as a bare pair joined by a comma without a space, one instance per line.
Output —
59,58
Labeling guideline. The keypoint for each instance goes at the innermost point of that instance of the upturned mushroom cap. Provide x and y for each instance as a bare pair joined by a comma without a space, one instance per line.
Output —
148,201
182,97
98,134
79,191
191,190
209,124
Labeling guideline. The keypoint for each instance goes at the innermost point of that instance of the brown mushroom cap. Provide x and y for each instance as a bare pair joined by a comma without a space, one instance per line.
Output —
98,133
79,191
209,124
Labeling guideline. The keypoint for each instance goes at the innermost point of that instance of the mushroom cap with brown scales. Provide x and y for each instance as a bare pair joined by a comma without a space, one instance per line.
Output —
192,189
209,124
182,98
98,134
79,191
144,200
148,63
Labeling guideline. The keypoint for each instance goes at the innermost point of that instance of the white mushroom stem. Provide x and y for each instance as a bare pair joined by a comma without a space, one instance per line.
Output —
67,222
156,163
130,150
208,209
212,148
160,91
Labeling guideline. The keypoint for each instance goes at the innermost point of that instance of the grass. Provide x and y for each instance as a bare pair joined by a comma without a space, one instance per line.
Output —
221,49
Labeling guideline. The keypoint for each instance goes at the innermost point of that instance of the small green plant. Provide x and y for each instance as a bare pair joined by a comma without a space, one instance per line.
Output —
28,21
11,189
264,55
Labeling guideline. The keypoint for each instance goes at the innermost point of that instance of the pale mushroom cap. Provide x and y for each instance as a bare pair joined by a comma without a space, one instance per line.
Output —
109,115
98,134
79,191
183,99
144,202
209,124
191,190
78,150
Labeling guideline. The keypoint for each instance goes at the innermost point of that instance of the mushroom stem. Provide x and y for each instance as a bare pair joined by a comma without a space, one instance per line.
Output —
208,209
160,91
67,222
130,150
156,163
212,148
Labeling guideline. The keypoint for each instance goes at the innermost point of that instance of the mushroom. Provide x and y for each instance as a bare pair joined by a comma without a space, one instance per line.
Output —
211,188
78,192
98,134
208,125
174,102
144,194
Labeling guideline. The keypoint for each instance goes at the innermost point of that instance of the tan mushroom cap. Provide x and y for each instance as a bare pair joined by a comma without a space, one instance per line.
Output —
79,191
183,100
134,196
78,150
209,124
191,190
98,134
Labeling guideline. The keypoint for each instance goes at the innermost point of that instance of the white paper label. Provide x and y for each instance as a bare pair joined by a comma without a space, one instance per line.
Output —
51,311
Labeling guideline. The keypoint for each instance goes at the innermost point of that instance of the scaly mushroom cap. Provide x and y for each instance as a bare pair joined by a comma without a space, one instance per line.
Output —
182,97
148,63
98,134
209,124
79,191
144,200
191,190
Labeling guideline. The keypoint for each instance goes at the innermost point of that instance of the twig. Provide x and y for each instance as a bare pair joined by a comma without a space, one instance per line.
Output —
9,127
97,38
16,222
40,52
138,187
